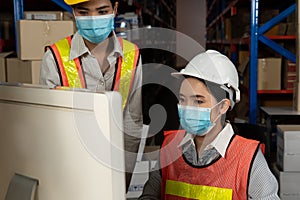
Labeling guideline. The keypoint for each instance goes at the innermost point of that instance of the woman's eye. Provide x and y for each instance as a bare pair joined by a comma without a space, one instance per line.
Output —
198,102
103,12
181,100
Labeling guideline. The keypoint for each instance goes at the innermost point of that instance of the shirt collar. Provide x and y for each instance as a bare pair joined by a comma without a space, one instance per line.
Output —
220,143
117,51
79,48
117,45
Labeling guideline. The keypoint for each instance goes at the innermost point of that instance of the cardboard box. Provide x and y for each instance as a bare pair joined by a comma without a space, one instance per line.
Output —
289,75
290,82
288,183
19,71
34,35
279,29
68,16
43,15
268,14
288,148
3,71
269,74
228,29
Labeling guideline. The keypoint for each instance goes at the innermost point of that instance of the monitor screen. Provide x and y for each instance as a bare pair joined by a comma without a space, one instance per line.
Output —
69,141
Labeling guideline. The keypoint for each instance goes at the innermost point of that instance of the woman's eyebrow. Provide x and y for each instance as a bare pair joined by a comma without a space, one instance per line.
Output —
102,7
197,96
81,8
99,8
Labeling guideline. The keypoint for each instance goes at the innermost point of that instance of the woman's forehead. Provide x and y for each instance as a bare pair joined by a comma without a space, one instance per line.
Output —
96,3
194,86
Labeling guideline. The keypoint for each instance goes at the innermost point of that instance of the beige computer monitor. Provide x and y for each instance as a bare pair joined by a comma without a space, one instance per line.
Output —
70,141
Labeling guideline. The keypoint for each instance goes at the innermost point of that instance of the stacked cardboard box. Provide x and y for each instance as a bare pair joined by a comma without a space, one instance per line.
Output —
38,30
287,169
23,71
267,66
35,35
3,63
43,15
290,75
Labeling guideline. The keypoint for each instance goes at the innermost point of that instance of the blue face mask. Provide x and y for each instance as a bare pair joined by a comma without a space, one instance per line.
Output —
195,120
95,28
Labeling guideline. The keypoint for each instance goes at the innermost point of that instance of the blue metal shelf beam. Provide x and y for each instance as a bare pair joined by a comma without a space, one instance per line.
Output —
18,14
63,5
278,48
278,18
257,34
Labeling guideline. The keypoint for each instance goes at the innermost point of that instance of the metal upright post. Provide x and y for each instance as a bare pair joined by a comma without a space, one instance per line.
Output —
18,14
253,61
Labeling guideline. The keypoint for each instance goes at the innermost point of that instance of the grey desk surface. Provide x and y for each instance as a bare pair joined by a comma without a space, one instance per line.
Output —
279,111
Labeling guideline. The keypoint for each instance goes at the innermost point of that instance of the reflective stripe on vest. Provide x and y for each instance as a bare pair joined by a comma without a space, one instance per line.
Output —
72,74
186,190
126,69
71,71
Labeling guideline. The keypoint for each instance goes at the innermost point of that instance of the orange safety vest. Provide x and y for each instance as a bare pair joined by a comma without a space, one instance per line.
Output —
224,179
72,75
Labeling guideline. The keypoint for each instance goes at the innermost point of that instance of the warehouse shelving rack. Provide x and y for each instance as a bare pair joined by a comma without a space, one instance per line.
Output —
222,8
163,14
257,35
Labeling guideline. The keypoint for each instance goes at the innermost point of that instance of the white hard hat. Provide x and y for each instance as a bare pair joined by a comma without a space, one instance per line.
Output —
214,67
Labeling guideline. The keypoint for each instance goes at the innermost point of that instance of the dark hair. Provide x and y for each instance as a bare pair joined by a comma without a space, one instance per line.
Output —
216,91
113,2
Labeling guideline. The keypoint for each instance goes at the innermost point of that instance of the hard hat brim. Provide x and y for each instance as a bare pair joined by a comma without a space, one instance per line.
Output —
73,2
182,74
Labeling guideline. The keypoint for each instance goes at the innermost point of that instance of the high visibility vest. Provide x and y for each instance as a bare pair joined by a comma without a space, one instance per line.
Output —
224,179
72,75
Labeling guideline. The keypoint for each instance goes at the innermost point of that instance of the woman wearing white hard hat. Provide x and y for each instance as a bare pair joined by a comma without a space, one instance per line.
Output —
93,58
207,160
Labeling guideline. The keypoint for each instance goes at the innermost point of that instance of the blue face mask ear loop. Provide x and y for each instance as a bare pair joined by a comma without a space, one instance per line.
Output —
219,115
213,123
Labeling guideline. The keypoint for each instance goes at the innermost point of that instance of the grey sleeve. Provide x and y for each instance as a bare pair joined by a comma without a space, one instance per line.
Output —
262,184
152,189
48,72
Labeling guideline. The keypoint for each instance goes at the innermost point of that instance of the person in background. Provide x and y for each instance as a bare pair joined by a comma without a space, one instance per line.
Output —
94,58
206,159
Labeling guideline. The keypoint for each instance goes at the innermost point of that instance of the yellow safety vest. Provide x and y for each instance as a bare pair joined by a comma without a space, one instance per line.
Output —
71,72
